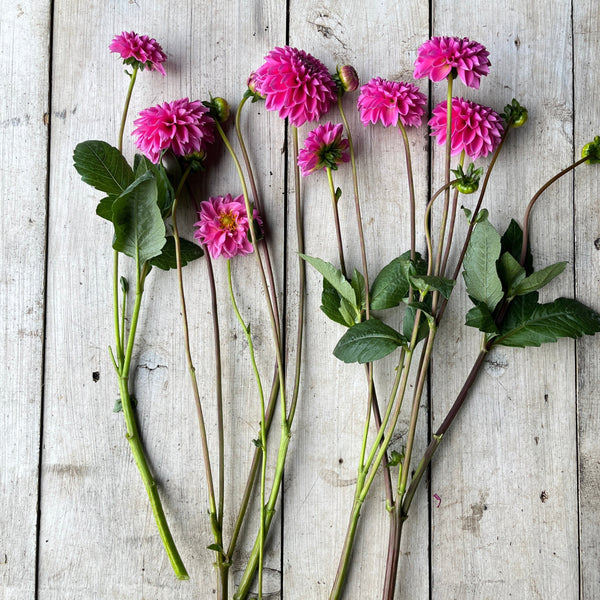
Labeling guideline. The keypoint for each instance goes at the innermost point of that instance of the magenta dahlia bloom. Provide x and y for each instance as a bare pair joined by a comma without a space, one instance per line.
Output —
139,50
223,226
323,148
476,129
390,101
296,84
439,56
181,126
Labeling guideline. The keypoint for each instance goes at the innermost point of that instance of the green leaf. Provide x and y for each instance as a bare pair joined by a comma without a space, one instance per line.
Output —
395,458
216,548
367,342
102,166
334,277
479,266
511,273
334,306
409,320
168,260
528,323
424,307
104,208
538,279
512,242
482,215
358,285
391,284
139,227
426,283
166,193
481,318
338,194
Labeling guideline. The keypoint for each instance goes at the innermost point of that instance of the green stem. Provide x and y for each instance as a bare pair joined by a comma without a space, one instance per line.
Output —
126,108
411,191
336,220
452,222
134,439
213,511
263,431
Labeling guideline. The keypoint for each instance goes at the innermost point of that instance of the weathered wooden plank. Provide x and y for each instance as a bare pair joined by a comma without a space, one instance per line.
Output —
586,40
24,50
506,474
321,479
97,532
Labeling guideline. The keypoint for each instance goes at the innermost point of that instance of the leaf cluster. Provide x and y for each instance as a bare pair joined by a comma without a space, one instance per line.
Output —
137,202
503,286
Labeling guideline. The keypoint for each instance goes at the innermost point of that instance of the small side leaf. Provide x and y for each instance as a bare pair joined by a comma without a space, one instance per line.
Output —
367,342
102,166
358,285
333,276
481,277
104,208
511,273
481,318
426,283
539,279
512,242
331,305
167,259
391,284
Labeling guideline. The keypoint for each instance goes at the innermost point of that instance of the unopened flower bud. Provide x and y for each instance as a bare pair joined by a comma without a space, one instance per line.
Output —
348,78
220,109
592,151
514,114
252,91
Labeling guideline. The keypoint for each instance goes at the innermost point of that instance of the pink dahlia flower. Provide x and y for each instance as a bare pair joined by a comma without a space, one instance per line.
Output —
296,84
390,101
223,226
139,50
323,148
181,126
476,129
440,56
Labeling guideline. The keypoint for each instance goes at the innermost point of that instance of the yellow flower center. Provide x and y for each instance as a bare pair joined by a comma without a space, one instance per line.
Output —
228,222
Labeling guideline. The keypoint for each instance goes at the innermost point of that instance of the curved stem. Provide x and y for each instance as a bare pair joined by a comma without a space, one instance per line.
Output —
263,431
452,222
134,439
411,191
258,205
534,200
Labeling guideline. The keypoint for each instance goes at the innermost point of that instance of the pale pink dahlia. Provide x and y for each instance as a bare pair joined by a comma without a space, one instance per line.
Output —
181,126
139,50
223,226
323,148
440,56
476,129
296,84
390,101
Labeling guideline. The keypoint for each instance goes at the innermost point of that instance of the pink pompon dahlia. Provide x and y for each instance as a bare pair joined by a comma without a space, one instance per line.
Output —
323,148
139,51
223,226
439,57
476,129
296,84
181,126
390,102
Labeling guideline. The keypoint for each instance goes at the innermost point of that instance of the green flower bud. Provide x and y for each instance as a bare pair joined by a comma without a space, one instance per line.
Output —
592,151
468,182
514,114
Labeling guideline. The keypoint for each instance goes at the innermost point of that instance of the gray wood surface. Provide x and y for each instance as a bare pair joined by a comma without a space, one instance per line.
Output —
516,482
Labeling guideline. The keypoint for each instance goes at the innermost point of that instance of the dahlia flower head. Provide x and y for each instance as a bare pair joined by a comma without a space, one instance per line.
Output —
438,57
476,129
181,126
139,51
296,84
324,148
390,102
223,226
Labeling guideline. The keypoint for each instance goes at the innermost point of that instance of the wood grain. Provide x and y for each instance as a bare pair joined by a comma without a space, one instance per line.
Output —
24,118
516,480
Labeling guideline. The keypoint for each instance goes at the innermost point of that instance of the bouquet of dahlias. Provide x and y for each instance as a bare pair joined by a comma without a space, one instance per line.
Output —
141,201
